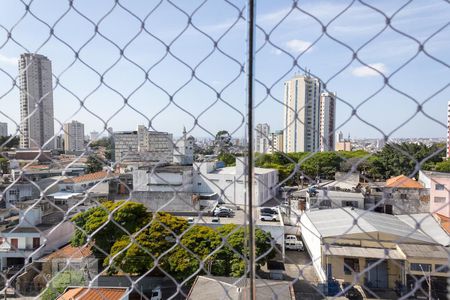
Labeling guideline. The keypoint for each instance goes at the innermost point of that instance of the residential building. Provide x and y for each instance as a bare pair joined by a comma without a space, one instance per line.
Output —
210,287
69,258
96,184
59,142
36,102
439,185
229,183
35,235
276,141
331,199
3,129
74,137
343,144
327,121
376,250
143,145
301,114
403,195
262,138
87,293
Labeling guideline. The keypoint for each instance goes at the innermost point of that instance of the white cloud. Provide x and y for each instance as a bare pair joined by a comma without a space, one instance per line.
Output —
298,46
365,71
8,60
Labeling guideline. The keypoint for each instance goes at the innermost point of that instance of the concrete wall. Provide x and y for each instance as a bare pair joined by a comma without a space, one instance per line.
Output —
167,201
162,181
313,244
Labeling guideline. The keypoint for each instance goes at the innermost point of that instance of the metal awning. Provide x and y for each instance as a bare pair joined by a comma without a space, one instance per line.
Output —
363,252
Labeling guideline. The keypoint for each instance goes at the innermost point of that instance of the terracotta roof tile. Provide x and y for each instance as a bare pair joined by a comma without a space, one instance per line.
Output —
403,181
445,222
90,177
69,251
83,293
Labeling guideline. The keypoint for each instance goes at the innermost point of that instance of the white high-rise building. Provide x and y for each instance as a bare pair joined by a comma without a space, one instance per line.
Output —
3,129
301,114
276,139
262,137
327,121
74,136
36,102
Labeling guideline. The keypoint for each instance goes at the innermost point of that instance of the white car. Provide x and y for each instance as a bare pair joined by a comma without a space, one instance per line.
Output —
223,209
268,217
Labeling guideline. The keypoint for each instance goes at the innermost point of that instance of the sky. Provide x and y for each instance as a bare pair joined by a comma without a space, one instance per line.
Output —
200,82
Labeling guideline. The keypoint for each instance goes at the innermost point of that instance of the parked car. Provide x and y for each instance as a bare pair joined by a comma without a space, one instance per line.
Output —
268,210
268,217
220,209
190,220
215,220
224,213
291,242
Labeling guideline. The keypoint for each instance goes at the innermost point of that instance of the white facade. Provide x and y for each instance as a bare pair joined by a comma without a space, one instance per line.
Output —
327,121
163,179
19,245
74,136
36,102
276,140
229,183
262,137
3,129
301,114
183,153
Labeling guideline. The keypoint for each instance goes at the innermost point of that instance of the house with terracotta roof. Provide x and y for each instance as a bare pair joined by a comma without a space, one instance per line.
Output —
399,195
95,293
96,184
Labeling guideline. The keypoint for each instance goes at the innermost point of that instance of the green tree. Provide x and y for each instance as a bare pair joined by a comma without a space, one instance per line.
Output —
131,216
222,142
232,263
227,158
60,282
94,164
150,244
4,165
443,166
8,142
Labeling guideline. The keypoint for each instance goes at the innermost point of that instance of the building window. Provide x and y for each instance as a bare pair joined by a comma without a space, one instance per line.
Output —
36,243
403,196
441,268
439,187
439,199
420,267
199,183
14,243
351,265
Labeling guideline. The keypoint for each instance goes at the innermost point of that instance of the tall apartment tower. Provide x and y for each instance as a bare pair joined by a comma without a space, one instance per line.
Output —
301,114
3,129
74,136
276,139
448,130
36,102
327,121
262,137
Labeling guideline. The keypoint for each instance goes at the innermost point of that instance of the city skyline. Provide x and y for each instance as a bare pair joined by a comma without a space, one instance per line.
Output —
354,85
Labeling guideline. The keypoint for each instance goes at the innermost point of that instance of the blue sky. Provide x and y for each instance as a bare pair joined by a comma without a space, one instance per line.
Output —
295,34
